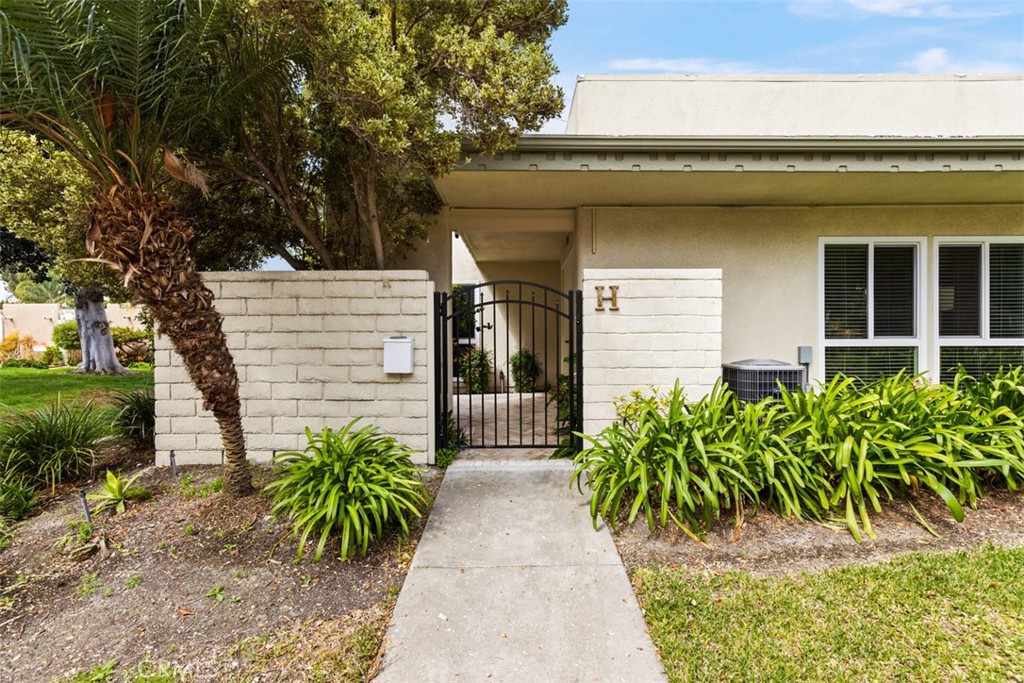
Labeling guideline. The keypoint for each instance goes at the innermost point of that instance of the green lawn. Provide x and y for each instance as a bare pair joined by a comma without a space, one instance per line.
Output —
921,617
24,389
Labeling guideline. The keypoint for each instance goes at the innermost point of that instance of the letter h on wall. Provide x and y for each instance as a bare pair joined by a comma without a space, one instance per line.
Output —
613,299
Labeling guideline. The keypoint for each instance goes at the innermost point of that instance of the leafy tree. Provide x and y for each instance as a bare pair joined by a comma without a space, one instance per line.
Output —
46,292
347,151
121,85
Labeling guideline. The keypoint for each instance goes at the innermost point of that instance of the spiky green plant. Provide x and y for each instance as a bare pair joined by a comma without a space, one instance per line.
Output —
50,445
674,463
115,493
353,482
136,416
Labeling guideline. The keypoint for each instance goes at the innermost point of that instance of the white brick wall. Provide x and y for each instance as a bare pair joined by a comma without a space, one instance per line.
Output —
668,326
309,351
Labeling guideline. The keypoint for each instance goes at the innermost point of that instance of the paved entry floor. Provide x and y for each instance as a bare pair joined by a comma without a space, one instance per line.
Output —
507,419
510,582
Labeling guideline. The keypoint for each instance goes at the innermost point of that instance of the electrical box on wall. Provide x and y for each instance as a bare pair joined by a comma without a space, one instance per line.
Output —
398,355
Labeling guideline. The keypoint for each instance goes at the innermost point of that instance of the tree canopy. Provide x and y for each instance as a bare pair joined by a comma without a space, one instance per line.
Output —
385,94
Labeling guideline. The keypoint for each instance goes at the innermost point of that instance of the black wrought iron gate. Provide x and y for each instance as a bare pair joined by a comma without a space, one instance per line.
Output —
509,360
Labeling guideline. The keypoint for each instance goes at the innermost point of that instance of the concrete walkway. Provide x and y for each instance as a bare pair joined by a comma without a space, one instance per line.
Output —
510,582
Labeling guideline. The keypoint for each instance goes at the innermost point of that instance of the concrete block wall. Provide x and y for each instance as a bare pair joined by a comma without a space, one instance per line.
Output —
308,347
668,326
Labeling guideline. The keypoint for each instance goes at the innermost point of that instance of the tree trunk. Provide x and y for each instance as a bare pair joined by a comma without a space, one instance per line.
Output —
140,236
97,343
365,187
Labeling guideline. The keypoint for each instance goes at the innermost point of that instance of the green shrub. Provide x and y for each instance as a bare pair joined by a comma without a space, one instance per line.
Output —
455,435
115,493
17,497
524,370
65,336
24,363
840,449
50,445
136,416
675,463
354,482
140,366
51,356
445,456
474,368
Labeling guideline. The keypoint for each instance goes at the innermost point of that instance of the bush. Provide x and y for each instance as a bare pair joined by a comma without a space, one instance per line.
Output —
140,366
16,346
843,448
355,482
65,336
50,445
524,370
445,457
51,356
136,416
17,497
25,363
132,345
474,368
674,463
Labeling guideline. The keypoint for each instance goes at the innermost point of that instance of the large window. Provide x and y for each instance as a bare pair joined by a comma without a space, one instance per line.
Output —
980,305
871,307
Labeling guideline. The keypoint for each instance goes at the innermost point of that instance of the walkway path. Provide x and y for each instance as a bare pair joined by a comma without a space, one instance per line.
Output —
511,583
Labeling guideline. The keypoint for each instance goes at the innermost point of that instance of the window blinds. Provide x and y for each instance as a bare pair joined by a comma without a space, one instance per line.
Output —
1006,291
960,290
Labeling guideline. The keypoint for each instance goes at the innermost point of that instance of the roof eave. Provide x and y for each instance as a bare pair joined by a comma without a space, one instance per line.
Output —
586,143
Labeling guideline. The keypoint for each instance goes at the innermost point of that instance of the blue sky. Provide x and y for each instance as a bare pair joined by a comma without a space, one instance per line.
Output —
799,36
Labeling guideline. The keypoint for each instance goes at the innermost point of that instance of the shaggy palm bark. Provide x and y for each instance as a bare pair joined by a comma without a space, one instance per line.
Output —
139,235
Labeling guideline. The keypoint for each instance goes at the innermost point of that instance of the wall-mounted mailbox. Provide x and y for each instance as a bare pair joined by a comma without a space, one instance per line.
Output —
398,355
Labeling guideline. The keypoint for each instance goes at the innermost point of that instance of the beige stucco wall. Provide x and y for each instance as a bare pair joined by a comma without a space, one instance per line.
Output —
769,259
308,347
433,253
38,320
798,105
668,326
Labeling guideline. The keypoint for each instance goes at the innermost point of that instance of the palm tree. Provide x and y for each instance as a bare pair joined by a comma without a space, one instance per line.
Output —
122,85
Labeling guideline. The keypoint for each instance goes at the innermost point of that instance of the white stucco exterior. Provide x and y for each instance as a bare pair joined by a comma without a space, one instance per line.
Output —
751,176
798,105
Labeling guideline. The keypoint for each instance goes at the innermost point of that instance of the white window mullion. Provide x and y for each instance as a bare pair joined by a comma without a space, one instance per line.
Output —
871,291
985,293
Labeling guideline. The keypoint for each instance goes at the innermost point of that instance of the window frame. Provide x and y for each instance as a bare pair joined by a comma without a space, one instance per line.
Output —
920,300
984,339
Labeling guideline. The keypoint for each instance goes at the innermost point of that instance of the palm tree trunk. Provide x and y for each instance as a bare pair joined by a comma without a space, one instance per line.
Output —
139,235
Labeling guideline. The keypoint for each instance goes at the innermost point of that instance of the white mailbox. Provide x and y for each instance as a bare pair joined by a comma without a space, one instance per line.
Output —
398,355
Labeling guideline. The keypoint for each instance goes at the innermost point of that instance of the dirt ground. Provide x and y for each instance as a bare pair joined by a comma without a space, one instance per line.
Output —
187,575
766,544
203,583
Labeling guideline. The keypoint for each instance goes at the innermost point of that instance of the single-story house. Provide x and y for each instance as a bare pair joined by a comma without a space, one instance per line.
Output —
855,224
877,220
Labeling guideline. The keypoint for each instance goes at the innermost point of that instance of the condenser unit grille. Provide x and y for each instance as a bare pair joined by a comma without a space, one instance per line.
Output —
754,380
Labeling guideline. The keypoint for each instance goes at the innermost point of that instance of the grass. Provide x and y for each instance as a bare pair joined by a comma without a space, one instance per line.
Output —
342,650
921,617
23,389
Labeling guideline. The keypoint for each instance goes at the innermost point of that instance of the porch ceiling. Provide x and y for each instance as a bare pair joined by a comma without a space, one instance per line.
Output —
546,191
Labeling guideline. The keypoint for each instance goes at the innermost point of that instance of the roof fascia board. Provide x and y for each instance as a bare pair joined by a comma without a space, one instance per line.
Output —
583,143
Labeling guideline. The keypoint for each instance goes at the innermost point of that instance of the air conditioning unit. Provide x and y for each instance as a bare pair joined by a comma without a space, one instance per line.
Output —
757,378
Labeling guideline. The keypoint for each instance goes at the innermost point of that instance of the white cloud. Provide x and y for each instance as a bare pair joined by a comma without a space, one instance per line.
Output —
939,60
913,9
686,65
